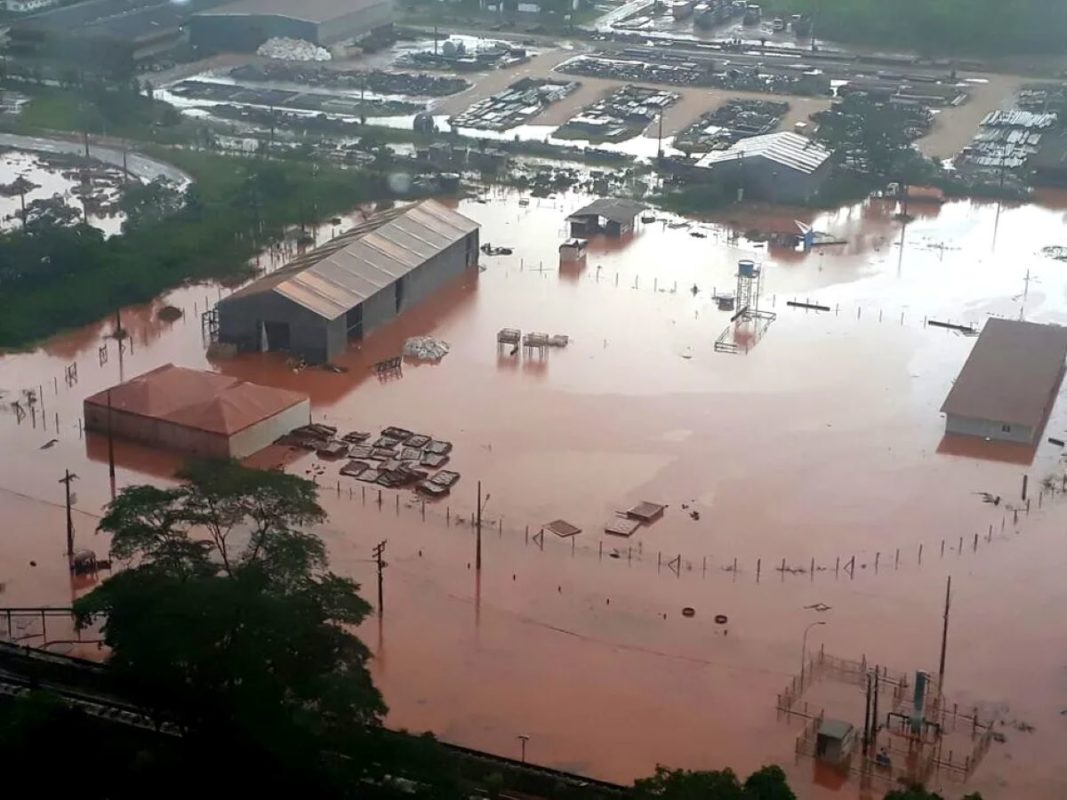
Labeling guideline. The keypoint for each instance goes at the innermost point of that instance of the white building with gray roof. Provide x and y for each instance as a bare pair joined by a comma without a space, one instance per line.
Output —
781,167
351,285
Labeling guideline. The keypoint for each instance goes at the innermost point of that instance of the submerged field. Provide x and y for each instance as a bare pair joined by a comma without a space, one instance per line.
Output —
822,444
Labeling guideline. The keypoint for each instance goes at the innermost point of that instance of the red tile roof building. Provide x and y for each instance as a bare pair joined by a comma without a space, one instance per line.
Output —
197,412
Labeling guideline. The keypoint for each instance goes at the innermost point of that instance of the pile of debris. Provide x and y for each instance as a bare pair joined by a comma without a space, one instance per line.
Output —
396,459
426,348
406,83
285,49
735,120
521,101
621,115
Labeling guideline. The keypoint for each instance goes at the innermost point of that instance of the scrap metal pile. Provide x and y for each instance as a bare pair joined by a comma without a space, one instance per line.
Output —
287,49
1007,139
426,348
265,98
404,83
398,458
515,105
661,65
731,122
624,113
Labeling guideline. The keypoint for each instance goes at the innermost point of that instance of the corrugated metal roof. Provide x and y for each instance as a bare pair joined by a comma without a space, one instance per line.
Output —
612,208
1011,374
344,272
788,149
309,10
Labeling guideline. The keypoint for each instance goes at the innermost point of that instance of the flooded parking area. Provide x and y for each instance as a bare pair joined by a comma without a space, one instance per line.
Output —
810,472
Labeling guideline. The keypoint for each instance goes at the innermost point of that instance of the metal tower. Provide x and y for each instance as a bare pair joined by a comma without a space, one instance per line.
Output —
749,286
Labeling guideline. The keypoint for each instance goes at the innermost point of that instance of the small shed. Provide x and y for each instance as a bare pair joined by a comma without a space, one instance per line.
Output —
834,741
572,250
610,216
1009,382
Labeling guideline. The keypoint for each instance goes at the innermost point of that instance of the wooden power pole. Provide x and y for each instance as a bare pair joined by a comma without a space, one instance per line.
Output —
69,476
944,637
478,532
379,551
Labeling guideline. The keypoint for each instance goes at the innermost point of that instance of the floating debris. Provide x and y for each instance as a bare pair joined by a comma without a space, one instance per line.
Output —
623,526
426,348
646,511
563,528
170,313
355,468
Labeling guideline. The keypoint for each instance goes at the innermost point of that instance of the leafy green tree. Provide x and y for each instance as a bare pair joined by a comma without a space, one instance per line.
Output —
768,783
227,623
678,784
149,203
941,27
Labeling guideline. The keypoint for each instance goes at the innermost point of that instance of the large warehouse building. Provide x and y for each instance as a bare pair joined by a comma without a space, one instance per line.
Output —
201,413
246,24
781,167
352,284
1006,388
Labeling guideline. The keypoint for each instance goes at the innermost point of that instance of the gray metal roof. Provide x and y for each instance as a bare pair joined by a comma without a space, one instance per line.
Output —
331,280
835,729
788,149
316,11
610,208
1012,373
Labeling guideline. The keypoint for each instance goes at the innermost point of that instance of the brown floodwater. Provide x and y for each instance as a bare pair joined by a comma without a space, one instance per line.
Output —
822,444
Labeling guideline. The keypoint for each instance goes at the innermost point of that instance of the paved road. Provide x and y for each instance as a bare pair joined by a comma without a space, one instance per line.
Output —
140,165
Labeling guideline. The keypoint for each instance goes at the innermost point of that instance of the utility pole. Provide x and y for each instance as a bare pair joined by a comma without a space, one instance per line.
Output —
659,141
522,737
379,551
69,476
22,200
944,638
110,444
478,530
867,719
874,712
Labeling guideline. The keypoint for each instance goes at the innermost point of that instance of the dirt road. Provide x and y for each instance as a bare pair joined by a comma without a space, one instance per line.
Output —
955,127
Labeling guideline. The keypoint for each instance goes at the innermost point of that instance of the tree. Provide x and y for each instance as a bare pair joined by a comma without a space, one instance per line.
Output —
678,784
149,203
227,624
768,783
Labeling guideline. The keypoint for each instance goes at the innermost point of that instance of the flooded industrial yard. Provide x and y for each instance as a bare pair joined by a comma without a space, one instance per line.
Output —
819,447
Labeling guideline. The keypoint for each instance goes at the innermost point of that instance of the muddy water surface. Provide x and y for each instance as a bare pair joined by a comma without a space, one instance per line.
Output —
822,444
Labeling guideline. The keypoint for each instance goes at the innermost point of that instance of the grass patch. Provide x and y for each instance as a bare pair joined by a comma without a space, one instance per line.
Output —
122,111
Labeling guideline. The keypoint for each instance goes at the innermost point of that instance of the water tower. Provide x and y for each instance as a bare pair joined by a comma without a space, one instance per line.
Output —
748,323
749,286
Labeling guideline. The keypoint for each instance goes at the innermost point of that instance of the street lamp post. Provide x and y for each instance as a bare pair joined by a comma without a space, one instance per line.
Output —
522,737
804,649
